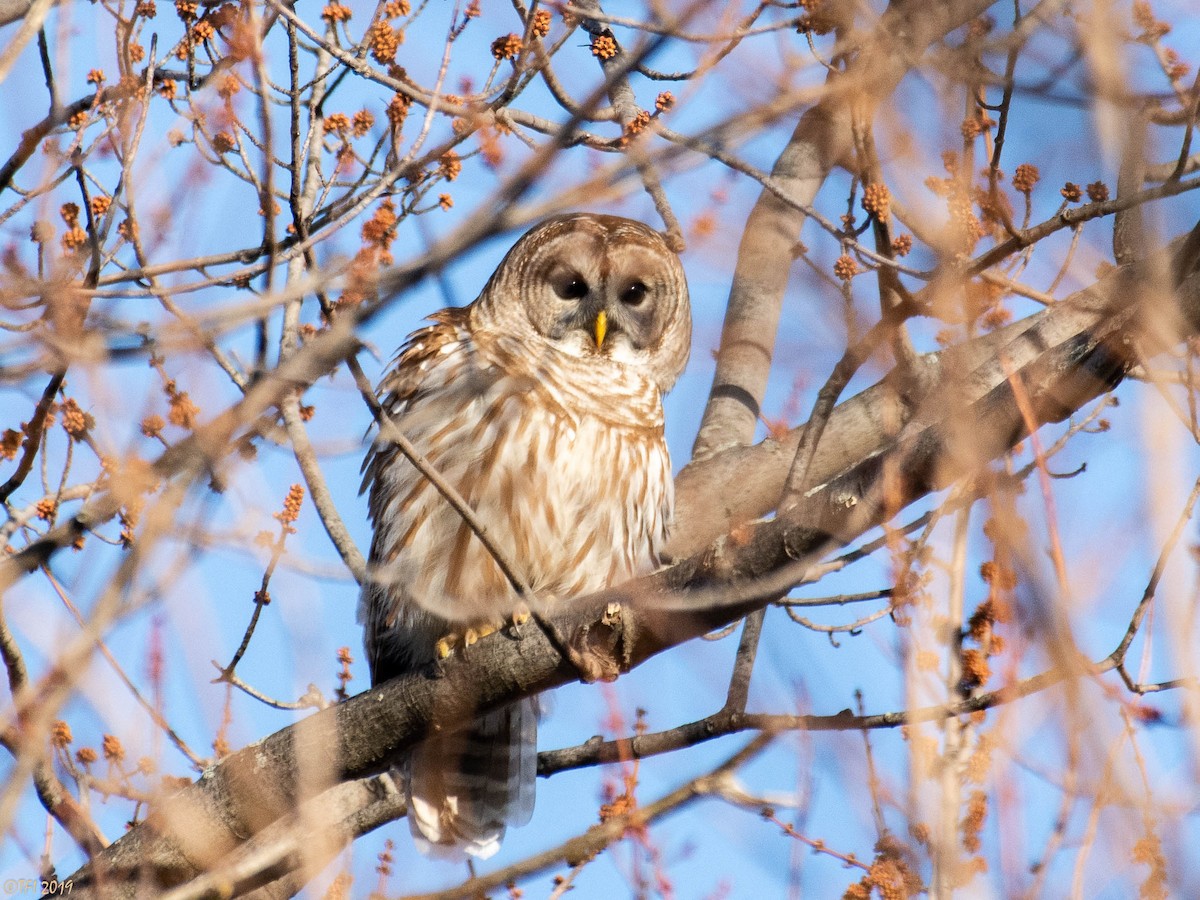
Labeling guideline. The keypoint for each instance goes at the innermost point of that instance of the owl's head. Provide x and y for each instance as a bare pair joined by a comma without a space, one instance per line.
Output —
595,286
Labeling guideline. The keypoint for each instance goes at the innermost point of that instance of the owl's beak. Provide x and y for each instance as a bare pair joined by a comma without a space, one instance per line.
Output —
601,328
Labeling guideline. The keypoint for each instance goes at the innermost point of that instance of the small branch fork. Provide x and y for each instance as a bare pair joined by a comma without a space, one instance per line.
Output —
1116,659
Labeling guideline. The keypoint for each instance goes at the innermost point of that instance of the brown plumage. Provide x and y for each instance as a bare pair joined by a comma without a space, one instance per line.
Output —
541,402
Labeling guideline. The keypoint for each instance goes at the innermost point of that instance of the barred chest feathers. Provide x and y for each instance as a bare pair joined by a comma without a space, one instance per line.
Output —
573,480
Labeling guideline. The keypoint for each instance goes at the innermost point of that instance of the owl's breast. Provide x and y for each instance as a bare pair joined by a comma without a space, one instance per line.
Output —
578,495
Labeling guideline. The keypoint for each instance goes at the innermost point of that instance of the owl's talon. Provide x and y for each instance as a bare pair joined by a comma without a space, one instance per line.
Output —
520,615
472,635
446,645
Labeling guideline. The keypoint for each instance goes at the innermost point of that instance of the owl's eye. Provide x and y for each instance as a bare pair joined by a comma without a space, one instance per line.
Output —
634,294
570,287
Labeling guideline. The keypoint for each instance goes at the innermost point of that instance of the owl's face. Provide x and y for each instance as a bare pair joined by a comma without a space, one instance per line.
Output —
594,286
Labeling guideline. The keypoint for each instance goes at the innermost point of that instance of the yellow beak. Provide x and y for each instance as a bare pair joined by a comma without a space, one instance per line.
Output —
601,328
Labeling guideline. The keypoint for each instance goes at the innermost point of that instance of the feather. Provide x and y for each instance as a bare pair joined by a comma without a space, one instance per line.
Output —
464,788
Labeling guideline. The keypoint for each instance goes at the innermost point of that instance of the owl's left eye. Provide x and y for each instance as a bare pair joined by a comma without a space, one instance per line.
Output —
570,287
634,294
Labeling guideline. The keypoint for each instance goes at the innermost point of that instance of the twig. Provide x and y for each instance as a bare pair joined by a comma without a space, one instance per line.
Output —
873,782
852,628
261,597
845,368
1117,657
743,663
33,436
31,24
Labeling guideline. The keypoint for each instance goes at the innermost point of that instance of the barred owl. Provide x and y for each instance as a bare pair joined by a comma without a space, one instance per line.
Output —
541,403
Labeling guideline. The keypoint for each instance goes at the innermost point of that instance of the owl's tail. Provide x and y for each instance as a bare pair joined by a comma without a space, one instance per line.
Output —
464,788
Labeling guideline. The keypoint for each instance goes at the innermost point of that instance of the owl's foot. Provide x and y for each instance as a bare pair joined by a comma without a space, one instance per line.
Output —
447,644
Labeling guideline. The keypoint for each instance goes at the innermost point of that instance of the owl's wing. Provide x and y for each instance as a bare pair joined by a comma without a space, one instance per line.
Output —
390,651
403,380
463,787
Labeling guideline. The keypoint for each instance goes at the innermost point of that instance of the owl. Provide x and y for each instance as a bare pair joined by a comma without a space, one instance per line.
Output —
541,403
